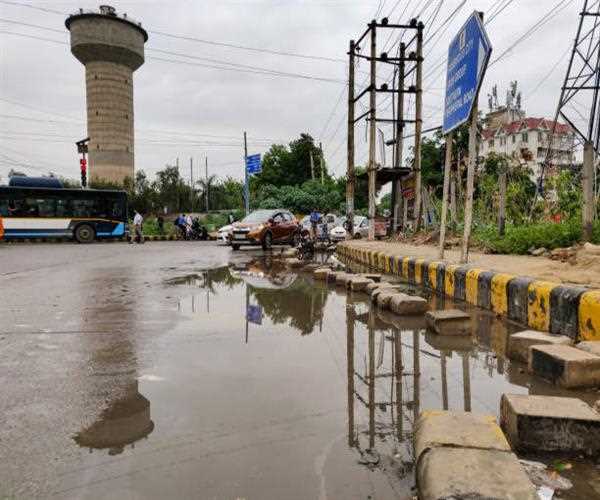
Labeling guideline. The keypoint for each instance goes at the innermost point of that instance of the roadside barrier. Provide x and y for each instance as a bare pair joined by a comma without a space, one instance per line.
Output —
567,310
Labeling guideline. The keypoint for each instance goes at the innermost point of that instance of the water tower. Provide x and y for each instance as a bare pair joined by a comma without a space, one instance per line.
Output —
111,47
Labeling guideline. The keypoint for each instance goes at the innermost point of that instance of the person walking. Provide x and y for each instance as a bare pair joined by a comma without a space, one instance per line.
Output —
315,218
137,225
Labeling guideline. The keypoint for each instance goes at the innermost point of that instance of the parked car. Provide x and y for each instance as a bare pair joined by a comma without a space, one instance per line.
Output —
361,229
223,233
265,228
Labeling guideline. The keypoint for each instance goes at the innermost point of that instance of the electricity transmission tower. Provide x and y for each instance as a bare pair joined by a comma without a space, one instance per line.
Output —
578,106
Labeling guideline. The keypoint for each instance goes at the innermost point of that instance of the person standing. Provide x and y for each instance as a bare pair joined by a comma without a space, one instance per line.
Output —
231,218
137,224
315,218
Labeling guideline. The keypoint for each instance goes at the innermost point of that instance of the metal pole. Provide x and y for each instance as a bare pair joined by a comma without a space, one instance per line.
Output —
322,164
399,136
418,126
207,186
312,167
464,255
447,174
372,129
350,167
246,180
588,190
502,202
191,184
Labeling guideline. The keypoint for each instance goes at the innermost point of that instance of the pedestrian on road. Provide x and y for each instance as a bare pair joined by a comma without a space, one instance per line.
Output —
189,225
315,218
137,225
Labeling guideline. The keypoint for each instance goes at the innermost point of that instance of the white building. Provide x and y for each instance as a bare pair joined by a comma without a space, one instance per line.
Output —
526,140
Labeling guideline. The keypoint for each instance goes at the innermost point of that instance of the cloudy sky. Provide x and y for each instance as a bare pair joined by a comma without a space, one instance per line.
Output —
185,108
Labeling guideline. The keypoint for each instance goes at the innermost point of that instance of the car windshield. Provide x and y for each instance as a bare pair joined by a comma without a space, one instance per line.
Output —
258,216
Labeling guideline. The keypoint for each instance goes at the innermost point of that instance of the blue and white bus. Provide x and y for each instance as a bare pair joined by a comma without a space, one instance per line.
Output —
81,214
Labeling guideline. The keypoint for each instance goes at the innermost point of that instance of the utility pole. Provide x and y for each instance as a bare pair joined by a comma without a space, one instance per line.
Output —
191,184
447,174
246,180
588,190
418,126
322,164
312,166
399,146
350,166
372,129
502,199
207,186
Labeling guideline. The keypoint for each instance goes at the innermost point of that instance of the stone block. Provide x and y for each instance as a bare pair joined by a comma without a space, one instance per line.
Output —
591,346
449,344
449,322
565,365
321,273
383,299
468,474
359,284
408,304
342,278
402,323
372,276
293,262
550,424
383,287
332,276
519,343
439,428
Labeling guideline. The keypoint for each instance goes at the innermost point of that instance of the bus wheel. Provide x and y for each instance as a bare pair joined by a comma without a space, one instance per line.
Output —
85,234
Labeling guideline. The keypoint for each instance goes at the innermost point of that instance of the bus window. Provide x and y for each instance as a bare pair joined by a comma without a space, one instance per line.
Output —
4,208
83,208
62,207
45,207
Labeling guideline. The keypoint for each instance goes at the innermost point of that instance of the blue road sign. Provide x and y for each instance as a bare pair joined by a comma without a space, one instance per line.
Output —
253,165
254,314
468,56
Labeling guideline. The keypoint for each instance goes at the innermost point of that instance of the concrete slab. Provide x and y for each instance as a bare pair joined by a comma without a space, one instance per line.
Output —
321,273
438,428
404,304
565,365
383,289
449,322
546,423
372,276
342,278
359,284
383,299
461,474
519,343
591,346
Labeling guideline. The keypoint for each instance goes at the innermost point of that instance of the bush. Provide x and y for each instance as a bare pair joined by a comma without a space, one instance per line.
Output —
519,239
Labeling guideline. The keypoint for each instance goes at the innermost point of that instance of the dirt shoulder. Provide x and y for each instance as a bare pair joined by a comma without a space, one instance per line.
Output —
584,271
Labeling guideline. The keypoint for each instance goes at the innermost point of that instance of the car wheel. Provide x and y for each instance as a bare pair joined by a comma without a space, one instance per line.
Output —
235,248
85,234
267,241
357,236
295,239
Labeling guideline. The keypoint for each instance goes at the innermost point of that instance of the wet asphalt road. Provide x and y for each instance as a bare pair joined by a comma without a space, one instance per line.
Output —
114,388
183,370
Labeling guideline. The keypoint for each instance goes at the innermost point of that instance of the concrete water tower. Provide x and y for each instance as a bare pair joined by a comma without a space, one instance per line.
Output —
111,47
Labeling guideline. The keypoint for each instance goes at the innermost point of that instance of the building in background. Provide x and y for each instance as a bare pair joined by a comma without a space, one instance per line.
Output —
111,47
509,131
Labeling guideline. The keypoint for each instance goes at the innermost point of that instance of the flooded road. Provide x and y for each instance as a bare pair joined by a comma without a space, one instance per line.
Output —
185,371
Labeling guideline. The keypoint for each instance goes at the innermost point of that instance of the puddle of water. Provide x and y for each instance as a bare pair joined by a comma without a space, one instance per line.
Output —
276,386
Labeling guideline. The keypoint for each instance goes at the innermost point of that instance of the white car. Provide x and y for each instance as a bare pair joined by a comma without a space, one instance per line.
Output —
361,229
223,233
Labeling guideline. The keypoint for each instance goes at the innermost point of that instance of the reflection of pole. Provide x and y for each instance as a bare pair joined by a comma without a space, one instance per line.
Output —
207,301
416,374
246,180
466,381
399,371
444,380
350,358
246,312
371,382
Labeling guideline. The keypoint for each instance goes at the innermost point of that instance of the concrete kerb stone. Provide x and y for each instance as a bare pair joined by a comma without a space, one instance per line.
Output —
518,292
462,455
472,286
419,271
589,316
519,344
484,289
449,322
550,424
565,366
564,310
460,287
499,293
538,304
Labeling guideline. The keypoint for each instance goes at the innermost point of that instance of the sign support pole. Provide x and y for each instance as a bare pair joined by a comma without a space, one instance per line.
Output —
447,174
246,180
464,255
372,137
398,200
350,167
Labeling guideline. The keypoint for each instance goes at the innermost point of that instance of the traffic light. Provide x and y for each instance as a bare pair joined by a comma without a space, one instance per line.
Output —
83,166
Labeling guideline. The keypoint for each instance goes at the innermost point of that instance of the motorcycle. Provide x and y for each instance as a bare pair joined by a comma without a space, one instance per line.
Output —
306,246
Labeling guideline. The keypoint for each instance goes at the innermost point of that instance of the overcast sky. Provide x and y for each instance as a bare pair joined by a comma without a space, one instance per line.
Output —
180,106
